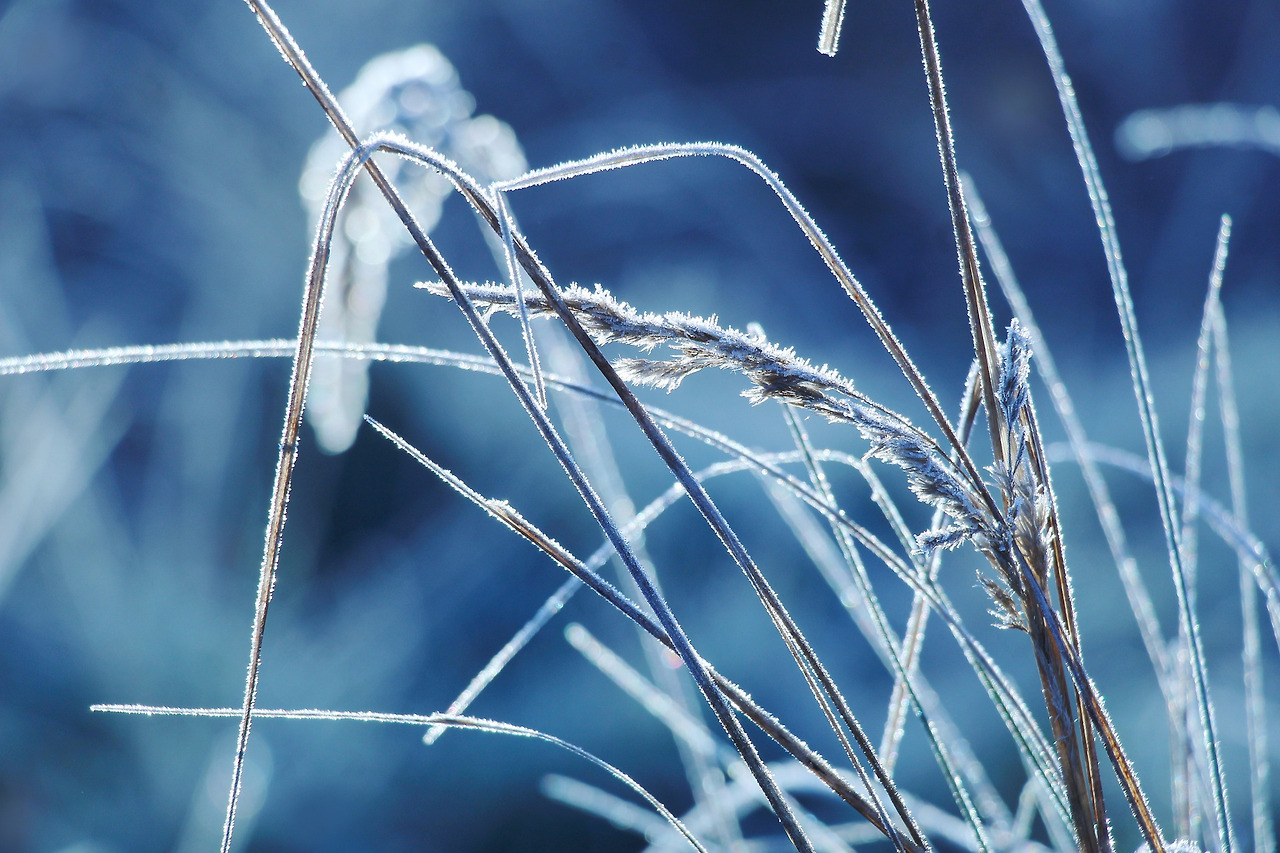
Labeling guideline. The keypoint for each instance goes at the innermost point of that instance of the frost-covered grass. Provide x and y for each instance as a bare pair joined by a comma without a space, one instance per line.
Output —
902,762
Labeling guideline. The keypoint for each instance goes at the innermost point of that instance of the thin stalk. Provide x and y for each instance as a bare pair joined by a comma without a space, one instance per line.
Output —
1264,840
975,291
294,56
499,201
1191,807
1078,772
832,22
286,460
1146,404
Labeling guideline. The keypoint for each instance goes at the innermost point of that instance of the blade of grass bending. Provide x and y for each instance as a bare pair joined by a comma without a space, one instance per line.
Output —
806,658
297,60
1146,403
450,720
626,157
814,672
287,458
1255,704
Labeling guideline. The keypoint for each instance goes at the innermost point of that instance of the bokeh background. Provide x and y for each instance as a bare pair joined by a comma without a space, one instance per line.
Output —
149,194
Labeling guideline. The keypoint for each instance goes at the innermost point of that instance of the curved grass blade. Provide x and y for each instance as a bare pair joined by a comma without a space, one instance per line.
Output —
287,458
513,273
297,60
449,720
642,154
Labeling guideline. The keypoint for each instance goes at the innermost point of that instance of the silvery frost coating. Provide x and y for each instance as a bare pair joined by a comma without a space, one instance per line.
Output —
699,343
778,373
415,92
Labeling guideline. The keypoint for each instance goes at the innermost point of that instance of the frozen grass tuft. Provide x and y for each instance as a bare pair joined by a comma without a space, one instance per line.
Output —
941,500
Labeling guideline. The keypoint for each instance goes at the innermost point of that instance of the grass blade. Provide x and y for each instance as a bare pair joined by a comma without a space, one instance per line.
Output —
450,720
832,23
1255,704
297,60
1146,403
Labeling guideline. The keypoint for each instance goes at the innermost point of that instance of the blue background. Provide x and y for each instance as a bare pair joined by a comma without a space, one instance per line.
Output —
148,194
